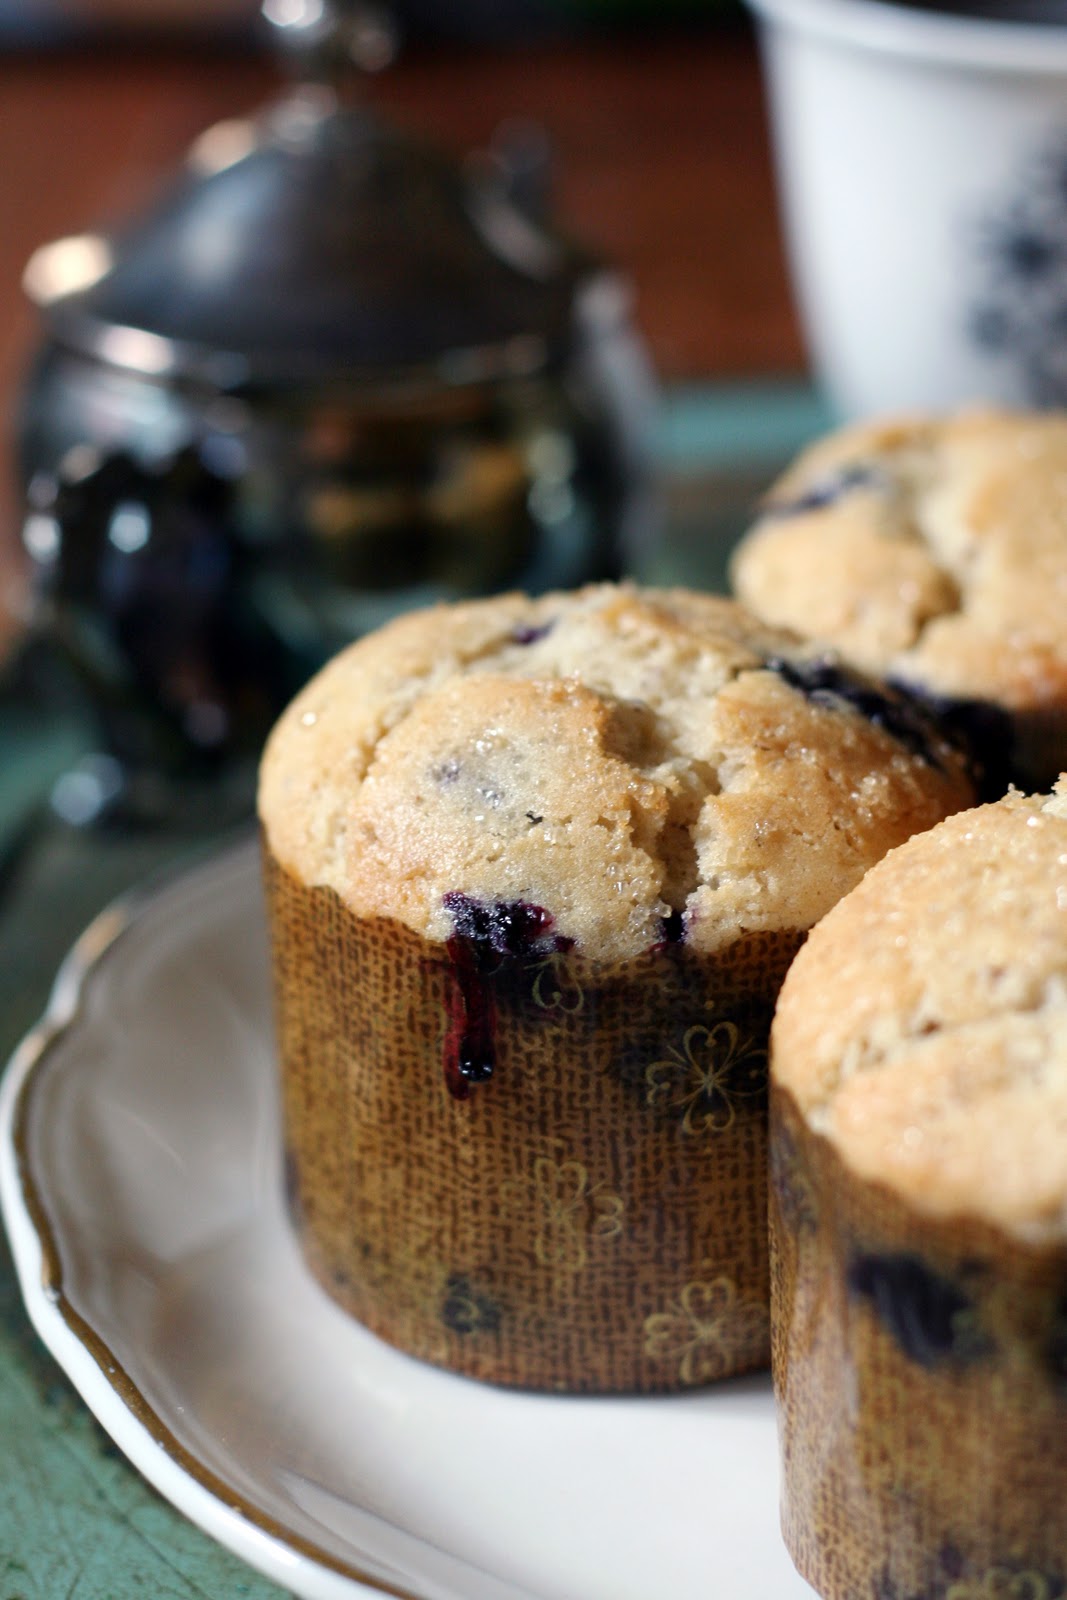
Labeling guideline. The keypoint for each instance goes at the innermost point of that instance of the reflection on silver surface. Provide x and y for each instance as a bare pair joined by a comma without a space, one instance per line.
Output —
67,266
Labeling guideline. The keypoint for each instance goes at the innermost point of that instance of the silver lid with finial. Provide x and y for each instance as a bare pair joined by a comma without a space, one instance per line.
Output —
315,243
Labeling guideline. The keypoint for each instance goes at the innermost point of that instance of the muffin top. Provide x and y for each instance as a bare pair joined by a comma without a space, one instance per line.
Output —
641,766
923,1026
933,551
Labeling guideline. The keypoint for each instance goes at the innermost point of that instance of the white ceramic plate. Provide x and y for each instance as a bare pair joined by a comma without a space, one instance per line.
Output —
140,1181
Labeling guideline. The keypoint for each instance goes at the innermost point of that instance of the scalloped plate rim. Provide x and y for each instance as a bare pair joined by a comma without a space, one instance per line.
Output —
286,1558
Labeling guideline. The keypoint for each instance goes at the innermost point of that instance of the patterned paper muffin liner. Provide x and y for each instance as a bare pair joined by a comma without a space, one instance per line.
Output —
920,1368
525,1167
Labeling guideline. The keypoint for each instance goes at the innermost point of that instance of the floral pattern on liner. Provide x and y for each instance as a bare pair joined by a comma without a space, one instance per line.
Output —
707,1076
568,1211
465,1309
996,1583
555,988
1000,1584
707,1331
571,1207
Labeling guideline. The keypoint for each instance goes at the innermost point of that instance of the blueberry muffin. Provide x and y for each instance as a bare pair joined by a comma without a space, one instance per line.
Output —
919,1219
934,553
536,869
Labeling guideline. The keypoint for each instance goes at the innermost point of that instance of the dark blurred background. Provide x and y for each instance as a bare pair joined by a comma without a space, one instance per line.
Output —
654,110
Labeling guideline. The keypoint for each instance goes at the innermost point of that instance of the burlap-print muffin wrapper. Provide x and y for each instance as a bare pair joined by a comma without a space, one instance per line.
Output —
920,1367
591,1218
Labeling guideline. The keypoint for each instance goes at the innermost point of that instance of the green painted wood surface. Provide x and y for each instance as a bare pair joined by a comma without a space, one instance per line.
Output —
76,1521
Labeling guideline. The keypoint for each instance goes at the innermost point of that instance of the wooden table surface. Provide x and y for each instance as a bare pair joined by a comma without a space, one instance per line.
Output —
662,162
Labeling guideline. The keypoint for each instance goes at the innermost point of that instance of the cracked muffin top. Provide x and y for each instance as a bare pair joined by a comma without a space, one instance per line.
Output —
923,1027
636,766
932,551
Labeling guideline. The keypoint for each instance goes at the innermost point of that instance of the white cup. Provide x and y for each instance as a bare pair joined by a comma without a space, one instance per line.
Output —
922,162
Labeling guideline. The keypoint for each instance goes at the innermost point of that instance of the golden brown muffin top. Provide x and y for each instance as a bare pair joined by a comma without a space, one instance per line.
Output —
923,1026
641,765
929,550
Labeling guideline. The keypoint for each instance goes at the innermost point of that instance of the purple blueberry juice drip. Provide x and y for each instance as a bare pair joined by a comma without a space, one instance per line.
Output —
487,934
470,1047
672,929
